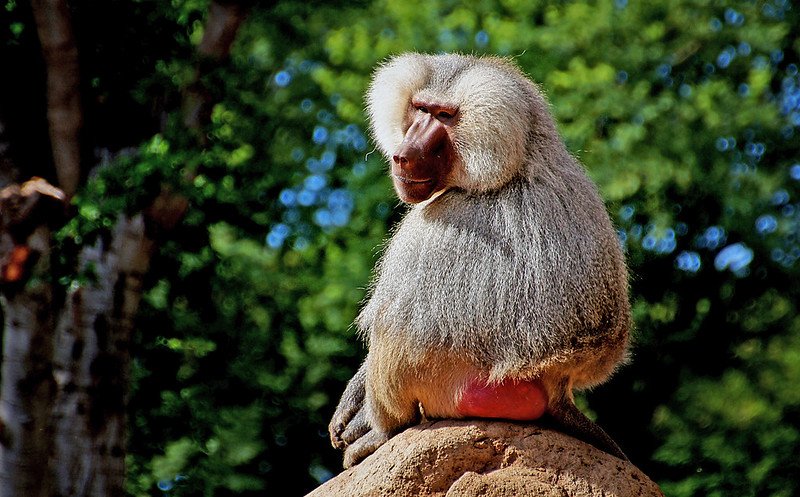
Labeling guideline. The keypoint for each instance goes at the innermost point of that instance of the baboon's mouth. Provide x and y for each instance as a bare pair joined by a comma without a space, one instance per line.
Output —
411,180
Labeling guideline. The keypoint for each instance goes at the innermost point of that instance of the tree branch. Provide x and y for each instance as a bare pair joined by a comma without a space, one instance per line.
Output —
222,25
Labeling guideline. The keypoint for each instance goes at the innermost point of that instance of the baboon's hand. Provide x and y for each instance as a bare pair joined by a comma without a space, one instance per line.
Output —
350,428
352,433
349,421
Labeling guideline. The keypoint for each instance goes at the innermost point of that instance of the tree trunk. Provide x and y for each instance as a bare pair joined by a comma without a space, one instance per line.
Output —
64,115
92,364
26,392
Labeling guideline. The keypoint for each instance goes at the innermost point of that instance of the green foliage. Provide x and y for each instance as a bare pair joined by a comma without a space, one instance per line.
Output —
685,112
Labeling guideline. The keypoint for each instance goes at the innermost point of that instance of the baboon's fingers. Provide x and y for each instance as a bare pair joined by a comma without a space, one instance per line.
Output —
363,447
357,428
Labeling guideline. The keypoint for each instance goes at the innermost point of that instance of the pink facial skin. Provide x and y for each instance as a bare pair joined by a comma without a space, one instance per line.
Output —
509,399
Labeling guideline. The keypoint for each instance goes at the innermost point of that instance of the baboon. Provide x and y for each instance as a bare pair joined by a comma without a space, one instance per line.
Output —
504,286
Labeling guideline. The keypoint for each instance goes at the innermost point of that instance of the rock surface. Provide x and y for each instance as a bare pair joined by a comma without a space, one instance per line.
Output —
488,459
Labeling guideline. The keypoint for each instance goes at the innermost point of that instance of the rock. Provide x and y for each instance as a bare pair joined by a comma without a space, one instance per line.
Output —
489,459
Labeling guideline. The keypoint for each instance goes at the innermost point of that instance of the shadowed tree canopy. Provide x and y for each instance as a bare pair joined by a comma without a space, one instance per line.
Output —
178,288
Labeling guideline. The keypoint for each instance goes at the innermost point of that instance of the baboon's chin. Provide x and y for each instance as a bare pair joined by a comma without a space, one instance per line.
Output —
414,193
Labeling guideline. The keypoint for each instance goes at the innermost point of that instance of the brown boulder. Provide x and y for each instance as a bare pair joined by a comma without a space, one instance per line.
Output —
488,459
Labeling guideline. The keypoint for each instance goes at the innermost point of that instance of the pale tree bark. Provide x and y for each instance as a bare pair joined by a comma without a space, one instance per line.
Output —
66,361
27,388
92,364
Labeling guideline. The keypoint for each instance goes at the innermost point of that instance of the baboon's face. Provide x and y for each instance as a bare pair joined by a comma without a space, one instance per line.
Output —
449,121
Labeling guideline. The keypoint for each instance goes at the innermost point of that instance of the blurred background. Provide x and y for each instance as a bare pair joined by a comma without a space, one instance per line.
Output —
685,112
